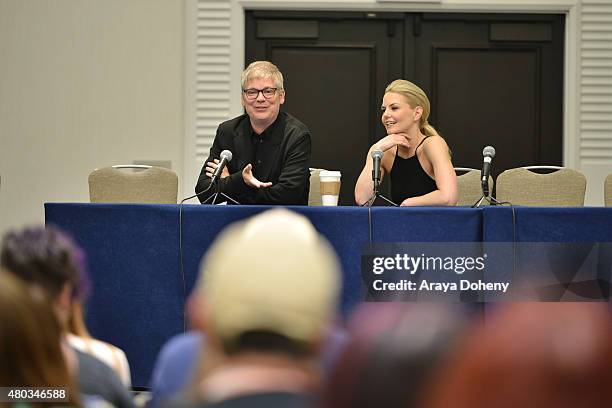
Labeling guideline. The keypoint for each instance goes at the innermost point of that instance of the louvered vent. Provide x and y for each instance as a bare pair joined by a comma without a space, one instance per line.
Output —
596,82
212,76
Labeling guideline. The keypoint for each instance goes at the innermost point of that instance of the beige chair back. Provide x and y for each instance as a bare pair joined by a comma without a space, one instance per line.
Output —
562,188
314,196
608,191
119,184
468,185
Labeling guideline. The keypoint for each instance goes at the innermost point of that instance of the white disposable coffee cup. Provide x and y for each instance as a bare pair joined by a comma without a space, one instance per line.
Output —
330,187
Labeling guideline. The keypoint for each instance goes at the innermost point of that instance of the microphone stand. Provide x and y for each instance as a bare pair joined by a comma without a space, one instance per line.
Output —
485,196
218,193
376,194
214,198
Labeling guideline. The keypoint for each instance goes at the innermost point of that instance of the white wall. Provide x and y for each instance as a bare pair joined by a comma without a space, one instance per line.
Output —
84,84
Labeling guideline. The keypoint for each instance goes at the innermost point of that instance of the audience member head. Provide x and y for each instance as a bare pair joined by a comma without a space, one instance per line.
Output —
394,349
270,283
48,260
30,339
262,70
415,97
531,355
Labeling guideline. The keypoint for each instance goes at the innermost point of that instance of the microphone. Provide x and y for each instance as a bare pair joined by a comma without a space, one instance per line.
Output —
226,157
488,154
376,157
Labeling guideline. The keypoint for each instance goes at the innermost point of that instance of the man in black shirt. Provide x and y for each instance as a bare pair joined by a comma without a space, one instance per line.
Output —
271,149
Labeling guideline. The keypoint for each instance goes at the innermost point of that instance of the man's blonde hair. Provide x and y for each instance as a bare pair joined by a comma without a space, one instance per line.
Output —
262,69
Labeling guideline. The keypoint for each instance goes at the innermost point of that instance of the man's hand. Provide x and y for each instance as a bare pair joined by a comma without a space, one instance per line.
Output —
211,166
250,180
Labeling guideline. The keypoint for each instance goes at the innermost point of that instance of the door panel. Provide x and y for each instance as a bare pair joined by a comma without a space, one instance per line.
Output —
493,80
338,134
481,94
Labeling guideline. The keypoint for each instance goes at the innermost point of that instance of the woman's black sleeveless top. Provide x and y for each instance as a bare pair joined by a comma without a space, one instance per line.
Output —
408,179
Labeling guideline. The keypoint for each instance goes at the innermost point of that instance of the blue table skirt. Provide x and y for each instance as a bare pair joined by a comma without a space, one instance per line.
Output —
140,288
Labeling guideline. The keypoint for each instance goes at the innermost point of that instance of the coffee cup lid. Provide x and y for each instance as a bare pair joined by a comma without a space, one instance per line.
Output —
330,173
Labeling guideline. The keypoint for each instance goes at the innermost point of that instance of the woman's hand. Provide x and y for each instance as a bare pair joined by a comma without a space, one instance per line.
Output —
391,140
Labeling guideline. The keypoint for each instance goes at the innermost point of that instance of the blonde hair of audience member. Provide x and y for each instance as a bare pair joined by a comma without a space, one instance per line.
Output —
434,152
265,317
31,353
80,338
531,355
262,69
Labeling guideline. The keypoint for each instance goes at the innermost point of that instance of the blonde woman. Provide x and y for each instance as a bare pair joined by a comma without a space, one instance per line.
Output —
78,337
415,156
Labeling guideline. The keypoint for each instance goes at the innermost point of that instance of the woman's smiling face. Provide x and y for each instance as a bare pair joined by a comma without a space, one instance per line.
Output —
397,115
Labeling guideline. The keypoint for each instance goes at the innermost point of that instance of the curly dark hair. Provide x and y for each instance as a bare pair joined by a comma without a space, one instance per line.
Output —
47,257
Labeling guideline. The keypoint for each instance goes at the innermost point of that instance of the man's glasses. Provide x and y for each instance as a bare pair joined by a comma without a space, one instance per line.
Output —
252,93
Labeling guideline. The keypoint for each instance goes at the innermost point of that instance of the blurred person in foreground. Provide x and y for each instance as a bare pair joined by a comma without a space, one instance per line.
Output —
395,348
31,349
79,337
271,149
531,355
265,315
180,357
51,264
